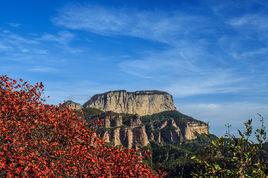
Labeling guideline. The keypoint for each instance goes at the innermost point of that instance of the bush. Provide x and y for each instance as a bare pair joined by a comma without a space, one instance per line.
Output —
232,156
38,139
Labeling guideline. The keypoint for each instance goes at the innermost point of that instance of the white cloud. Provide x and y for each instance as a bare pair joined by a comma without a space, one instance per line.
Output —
250,41
186,70
34,53
259,53
187,58
41,69
155,65
254,21
63,37
31,48
14,43
15,47
153,25
200,55
15,39
18,46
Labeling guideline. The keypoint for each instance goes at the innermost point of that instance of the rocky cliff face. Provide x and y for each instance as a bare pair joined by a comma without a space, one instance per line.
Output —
137,131
72,105
118,130
134,119
170,131
192,129
139,102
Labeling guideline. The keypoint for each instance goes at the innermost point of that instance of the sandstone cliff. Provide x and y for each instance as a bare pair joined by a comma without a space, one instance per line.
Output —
134,119
138,131
173,127
139,102
121,130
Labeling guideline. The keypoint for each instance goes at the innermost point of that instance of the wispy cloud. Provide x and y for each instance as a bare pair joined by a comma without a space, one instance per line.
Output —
14,43
15,47
253,21
35,47
63,37
201,53
41,69
216,84
15,25
155,65
187,70
250,41
39,53
153,25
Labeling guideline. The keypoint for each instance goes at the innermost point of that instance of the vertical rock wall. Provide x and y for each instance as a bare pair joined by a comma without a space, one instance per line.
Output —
141,102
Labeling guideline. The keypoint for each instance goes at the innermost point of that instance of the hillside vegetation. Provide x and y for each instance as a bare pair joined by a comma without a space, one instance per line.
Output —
38,139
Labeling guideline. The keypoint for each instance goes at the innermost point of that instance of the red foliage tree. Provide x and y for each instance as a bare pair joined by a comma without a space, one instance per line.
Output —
38,139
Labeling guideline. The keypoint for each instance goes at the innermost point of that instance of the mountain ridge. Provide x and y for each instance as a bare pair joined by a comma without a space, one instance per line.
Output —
150,116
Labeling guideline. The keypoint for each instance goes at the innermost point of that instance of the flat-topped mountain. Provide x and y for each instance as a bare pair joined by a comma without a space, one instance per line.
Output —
145,102
136,119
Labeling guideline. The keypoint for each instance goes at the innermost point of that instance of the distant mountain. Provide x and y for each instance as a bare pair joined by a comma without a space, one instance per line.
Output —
72,105
134,119
145,102
149,120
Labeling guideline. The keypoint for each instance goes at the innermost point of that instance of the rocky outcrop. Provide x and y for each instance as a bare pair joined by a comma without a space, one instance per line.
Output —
136,131
172,131
72,105
139,102
129,133
134,119
193,129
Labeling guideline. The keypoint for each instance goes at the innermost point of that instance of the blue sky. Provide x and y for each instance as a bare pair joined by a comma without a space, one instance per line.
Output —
210,55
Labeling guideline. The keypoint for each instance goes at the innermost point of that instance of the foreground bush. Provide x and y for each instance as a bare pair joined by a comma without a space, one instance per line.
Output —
37,139
232,156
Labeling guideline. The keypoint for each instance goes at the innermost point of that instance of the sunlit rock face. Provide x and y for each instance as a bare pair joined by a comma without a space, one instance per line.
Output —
134,119
140,102
129,133
72,105
134,131
192,129
173,130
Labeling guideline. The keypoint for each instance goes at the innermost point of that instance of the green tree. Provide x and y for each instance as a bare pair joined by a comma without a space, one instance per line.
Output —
231,156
